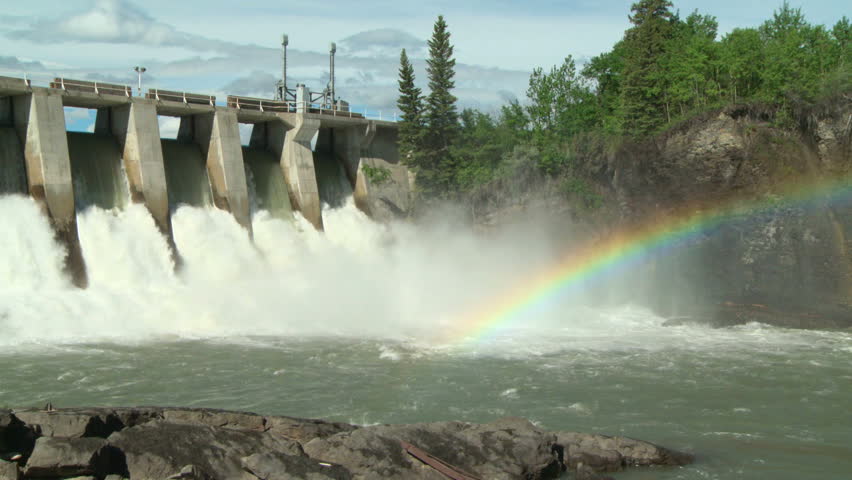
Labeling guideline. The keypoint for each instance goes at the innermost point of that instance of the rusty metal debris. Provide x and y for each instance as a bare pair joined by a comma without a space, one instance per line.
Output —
441,466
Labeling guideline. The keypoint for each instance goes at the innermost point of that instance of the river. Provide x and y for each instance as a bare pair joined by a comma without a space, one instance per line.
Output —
348,325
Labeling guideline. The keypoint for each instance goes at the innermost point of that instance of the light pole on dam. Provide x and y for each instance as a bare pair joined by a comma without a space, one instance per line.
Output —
139,71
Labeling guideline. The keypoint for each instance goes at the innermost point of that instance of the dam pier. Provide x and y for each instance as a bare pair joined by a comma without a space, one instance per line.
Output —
301,154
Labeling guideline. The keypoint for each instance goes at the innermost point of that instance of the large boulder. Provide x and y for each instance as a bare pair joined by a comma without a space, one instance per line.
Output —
132,416
305,430
279,466
505,449
71,423
160,449
601,453
15,437
216,418
67,457
6,420
9,471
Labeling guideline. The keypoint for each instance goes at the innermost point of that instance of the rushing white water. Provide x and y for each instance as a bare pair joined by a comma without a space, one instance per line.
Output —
31,259
357,278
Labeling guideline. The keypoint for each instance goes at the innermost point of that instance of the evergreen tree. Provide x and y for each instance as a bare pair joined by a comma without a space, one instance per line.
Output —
410,103
644,80
440,114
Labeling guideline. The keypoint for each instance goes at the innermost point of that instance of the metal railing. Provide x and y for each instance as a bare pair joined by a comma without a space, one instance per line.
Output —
260,104
97,88
185,97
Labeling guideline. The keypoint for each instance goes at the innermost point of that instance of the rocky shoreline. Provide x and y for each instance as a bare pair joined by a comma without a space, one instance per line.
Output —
204,444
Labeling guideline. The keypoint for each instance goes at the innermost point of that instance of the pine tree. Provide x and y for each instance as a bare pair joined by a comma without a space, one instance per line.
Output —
644,88
410,103
441,114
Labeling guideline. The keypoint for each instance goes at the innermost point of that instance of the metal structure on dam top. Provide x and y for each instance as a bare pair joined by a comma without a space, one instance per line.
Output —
285,99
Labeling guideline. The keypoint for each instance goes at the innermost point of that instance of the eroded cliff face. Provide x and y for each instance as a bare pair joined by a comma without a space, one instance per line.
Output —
786,262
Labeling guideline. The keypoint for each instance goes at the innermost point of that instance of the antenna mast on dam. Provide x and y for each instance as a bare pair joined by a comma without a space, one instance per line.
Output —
282,93
301,95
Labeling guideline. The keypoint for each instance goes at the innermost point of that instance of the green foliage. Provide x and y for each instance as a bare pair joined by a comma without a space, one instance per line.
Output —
741,59
410,103
575,188
561,103
691,62
797,55
430,130
644,94
377,175
605,72
665,70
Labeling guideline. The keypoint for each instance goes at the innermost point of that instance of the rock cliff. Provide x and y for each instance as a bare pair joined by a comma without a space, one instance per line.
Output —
787,264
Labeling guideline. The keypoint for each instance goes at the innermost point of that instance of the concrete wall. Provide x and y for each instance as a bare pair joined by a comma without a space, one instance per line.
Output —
347,148
39,119
218,135
6,111
391,198
293,147
137,130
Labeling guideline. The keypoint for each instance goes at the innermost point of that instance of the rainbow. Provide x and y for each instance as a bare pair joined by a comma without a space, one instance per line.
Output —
632,246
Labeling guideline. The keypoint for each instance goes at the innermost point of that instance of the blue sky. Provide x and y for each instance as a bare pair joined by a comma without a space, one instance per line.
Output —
225,46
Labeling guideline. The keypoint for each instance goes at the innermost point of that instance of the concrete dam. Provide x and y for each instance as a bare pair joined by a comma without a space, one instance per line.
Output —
299,157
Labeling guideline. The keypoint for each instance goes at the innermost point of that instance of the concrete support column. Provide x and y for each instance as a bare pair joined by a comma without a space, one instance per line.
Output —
218,135
137,130
293,148
40,122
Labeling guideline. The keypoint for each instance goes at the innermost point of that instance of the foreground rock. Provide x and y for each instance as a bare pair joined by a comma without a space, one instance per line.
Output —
201,444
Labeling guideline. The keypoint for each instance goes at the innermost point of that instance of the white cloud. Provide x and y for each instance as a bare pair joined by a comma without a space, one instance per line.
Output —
366,65
114,21
384,42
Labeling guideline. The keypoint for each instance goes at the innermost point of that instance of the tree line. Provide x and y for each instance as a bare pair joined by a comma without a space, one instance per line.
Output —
665,68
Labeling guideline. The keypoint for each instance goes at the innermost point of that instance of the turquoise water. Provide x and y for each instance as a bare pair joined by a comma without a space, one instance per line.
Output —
750,402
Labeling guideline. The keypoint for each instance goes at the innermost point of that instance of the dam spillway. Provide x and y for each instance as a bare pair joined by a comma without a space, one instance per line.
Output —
96,169
186,175
125,159
267,188
332,183
13,175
